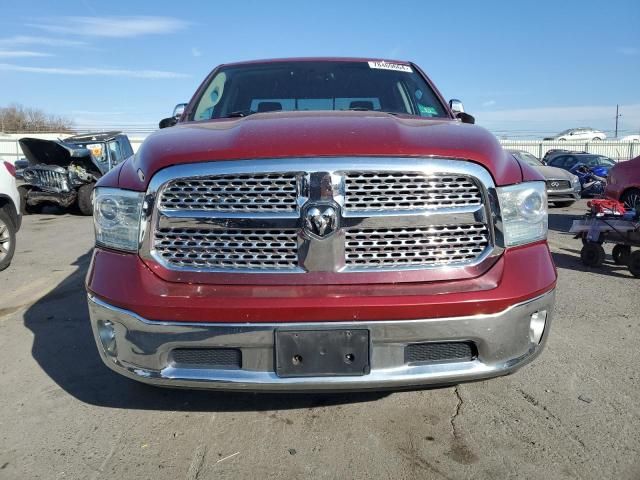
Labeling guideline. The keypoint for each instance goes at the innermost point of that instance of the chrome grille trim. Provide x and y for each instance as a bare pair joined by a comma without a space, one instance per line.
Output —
227,249
392,190
48,178
320,181
423,246
250,192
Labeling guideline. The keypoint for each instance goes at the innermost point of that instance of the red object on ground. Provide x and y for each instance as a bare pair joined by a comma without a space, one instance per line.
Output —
606,206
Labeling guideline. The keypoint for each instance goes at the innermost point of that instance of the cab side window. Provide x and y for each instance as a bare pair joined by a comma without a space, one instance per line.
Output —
125,147
115,152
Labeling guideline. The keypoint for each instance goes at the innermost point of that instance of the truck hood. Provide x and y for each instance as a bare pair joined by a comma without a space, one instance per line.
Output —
57,152
317,134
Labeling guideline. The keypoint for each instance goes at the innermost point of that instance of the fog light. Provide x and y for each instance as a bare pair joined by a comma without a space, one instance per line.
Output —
107,334
536,328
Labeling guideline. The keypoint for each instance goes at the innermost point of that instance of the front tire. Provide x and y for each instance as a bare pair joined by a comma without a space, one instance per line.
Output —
631,198
7,239
621,254
592,255
85,203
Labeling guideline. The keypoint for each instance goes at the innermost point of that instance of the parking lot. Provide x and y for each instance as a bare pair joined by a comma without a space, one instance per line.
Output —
573,413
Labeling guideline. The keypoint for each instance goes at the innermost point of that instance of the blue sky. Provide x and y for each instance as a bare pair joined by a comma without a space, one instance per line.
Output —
521,68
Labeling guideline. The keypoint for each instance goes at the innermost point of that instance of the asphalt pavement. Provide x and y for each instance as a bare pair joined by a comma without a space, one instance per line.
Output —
571,414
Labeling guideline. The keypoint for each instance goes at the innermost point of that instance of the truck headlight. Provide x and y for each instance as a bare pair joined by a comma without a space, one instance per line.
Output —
523,209
116,217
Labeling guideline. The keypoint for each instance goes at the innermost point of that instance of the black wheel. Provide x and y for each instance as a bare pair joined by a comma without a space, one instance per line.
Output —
621,254
7,239
592,254
631,198
85,203
596,139
564,204
634,263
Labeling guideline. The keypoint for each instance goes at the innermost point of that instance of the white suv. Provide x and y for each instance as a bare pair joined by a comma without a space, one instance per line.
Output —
10,218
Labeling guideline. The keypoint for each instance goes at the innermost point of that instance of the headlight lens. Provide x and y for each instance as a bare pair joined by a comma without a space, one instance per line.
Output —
116,216
523,209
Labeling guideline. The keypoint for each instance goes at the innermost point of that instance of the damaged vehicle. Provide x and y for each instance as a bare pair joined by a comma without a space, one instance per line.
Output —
64,172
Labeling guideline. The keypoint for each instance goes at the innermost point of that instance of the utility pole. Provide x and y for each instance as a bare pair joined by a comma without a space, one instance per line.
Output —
618,115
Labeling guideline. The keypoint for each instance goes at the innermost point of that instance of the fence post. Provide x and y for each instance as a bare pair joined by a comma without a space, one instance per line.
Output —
586,147
540,150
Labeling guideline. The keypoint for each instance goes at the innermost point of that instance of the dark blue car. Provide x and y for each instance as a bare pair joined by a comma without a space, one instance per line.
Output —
598,164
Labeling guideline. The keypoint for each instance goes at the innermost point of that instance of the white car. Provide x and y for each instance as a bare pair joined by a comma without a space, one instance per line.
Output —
10,217
578,134
630,138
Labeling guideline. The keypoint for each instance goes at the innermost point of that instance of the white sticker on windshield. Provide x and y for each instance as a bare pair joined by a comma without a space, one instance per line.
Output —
398,67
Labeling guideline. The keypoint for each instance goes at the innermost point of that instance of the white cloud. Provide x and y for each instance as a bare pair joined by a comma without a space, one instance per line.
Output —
114,27
196,52
22,54
90,71
48,41
489,103
628,50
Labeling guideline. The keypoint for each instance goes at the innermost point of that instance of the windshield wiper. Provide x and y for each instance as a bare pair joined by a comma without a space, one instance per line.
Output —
239,113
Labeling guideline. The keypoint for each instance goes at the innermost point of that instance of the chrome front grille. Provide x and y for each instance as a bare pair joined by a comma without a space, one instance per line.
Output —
426,246
228,249
380,190
47,179
251,192
410,219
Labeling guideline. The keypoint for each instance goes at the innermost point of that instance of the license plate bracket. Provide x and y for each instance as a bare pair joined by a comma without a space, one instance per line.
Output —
322,353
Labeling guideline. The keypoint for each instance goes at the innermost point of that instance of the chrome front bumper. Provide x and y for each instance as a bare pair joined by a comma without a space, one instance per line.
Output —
140,349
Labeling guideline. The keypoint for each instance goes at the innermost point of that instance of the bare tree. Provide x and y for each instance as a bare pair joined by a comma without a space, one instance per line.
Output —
18,119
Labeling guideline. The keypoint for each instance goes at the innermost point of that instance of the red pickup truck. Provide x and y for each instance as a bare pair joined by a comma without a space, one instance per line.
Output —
320,224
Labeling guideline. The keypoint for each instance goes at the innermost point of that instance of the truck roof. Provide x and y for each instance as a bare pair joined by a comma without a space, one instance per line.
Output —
93,137
317,59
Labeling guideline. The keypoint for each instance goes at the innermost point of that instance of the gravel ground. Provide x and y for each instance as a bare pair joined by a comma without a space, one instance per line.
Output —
573,413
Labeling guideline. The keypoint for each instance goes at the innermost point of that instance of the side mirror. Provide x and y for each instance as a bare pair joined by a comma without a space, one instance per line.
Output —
178,110
456,105
168,122
458,110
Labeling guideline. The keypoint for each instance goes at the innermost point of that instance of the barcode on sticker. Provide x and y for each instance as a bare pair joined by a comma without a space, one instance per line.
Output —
398,67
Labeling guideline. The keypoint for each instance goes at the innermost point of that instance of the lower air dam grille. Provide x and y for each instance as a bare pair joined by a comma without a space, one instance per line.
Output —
435,352
221,358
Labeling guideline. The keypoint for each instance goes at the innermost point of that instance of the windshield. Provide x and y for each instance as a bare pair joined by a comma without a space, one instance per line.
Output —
323,85
596,161
98,152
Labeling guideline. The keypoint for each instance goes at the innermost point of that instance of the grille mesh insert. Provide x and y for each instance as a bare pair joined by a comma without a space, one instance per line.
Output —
422,246
259,192
558,184
228,358
407,191
228,249
48,178
439,352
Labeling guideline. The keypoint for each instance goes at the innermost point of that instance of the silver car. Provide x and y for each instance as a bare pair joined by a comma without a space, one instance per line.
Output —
578,134
563,187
